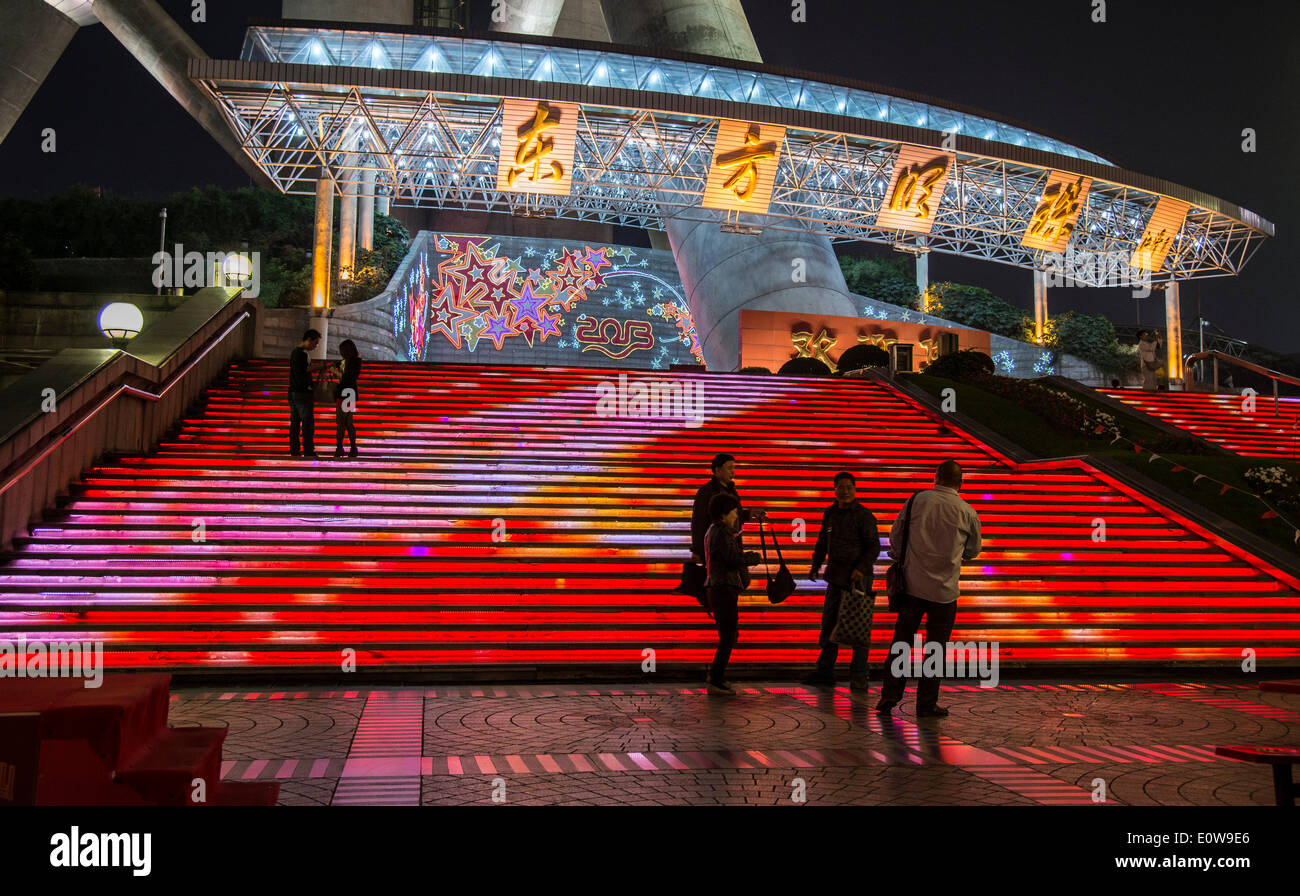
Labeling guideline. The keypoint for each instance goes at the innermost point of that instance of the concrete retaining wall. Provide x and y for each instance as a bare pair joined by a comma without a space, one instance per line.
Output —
79,380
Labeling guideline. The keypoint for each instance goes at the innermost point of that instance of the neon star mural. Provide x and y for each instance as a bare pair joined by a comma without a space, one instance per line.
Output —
469,294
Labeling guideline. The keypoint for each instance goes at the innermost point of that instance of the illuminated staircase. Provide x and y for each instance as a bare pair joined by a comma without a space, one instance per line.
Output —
1225,419
496,519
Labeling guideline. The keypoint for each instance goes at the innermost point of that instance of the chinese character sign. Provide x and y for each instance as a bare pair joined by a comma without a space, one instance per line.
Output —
915,189
1158,238
1053,221
743,170
538,140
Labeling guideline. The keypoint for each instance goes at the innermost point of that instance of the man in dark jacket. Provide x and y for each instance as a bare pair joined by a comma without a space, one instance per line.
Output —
850,540
723,481
302,411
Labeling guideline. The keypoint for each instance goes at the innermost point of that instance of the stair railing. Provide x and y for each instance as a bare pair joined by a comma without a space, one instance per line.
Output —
1216,356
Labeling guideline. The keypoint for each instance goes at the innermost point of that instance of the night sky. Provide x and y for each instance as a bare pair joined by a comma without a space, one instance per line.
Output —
1163,88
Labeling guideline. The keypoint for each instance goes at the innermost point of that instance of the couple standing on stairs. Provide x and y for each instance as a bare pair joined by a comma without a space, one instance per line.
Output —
937,530
304,389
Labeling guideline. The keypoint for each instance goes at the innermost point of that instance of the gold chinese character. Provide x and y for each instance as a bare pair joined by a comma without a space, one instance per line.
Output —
1054,216
906,195
808,347
743,182
879,340
1154,245
533,148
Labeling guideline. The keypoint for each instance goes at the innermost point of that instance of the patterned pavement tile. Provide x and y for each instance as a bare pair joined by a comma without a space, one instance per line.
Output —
1044,742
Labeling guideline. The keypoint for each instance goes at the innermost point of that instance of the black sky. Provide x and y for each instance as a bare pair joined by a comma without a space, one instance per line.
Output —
1161,87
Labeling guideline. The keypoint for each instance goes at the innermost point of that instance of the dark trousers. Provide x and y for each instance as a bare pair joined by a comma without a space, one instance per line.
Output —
830,650
939,619
343,423
725,604
302,422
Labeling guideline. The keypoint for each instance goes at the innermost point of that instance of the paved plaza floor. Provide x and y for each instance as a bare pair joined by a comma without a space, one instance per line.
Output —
1032,742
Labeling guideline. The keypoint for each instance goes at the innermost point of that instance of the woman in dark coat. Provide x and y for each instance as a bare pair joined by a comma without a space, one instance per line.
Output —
728,575
345,397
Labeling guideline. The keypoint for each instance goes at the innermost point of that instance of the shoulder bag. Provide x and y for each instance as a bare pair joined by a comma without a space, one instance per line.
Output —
780,586
895,581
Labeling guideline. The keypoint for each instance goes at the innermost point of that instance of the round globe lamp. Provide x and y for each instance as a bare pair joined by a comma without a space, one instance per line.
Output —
236,270
120,322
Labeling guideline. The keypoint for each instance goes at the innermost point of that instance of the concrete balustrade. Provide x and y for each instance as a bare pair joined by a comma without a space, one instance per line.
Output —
176,359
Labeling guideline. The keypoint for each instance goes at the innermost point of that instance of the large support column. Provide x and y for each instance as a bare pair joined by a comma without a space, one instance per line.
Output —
714,28
366,211
381,205
159,44
725,273
34,37
1040,305
347,223
922,272
582,20
1174,336
526,16
321,268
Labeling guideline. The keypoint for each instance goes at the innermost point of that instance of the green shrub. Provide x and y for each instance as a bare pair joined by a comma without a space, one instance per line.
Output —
961,366
889,280
804,367
1087,336
861,356
976,307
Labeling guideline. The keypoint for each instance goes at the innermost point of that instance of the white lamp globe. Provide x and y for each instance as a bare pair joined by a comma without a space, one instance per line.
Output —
120,320
236,269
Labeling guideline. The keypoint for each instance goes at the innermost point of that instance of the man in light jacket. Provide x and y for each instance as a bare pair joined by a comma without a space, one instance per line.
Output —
943,530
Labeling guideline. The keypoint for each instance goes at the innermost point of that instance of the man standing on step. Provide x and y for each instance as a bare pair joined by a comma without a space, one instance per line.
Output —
302,405
723,481
850,541
942,531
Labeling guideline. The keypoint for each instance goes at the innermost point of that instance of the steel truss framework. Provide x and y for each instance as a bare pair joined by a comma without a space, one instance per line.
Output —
637,166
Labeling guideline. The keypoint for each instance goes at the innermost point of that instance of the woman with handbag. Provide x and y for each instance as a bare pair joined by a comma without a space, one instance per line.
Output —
728,575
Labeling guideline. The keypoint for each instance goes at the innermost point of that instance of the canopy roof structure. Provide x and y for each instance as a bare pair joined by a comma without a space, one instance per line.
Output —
424,110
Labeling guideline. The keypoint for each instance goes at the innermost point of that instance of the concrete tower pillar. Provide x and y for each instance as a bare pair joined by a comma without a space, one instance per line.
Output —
347,222
526,16
381,205
922,272
366,210
162,47
1040,304
714,28
1174,335
34,37
320,260
725,273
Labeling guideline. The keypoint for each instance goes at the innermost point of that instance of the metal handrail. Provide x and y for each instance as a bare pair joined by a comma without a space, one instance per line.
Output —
85,417
1274,375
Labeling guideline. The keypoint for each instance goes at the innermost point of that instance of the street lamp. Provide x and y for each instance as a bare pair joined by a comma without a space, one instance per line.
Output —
162,241
120,322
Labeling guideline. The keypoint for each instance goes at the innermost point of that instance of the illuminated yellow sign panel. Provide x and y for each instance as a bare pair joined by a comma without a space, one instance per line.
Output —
912,200
1158,238
1053,222
743,171
538,141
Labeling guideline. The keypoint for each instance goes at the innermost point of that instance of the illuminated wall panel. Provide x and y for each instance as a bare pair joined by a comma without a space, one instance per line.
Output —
520,300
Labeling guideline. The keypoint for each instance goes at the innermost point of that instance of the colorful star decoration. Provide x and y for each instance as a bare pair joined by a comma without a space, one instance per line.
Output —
466,292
